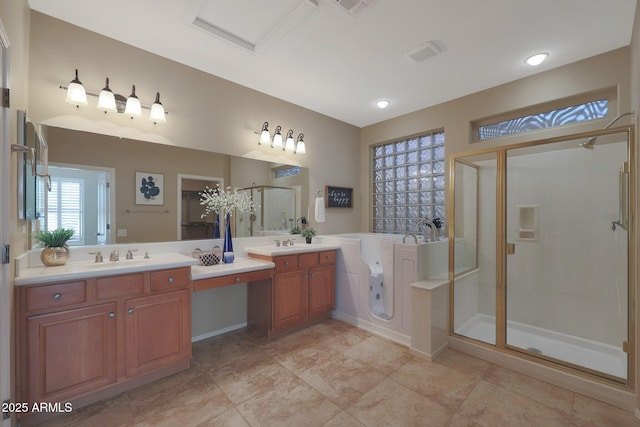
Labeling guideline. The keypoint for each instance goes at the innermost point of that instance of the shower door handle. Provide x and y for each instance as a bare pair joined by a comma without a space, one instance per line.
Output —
511,248
623,198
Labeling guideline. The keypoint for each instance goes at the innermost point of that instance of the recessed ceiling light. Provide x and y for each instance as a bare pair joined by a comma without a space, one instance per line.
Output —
536,59
383,103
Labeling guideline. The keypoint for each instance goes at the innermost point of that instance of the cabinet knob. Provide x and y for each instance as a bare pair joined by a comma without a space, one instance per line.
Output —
57,296
171,279
313,274
286,263
112,315
237,279
130,311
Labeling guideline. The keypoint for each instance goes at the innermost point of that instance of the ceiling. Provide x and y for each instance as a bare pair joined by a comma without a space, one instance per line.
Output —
318,55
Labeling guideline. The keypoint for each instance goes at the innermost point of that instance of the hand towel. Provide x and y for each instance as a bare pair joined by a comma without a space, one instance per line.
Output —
319,209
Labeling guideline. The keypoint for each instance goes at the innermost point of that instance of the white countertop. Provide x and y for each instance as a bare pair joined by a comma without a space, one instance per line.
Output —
239,265
273,250
84,269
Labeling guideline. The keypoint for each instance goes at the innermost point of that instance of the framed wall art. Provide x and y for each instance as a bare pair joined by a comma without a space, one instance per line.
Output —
338,197
149,188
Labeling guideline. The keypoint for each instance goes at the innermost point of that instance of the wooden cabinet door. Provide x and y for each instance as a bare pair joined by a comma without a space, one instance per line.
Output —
71,352
290,298
322,287
157,332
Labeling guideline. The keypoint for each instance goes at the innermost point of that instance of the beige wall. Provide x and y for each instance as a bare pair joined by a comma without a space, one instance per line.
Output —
609,70
205,112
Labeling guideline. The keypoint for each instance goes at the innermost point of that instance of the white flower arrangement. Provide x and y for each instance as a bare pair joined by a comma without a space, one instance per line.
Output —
225,201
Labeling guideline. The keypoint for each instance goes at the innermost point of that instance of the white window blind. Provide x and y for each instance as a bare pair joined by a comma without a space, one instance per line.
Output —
65,206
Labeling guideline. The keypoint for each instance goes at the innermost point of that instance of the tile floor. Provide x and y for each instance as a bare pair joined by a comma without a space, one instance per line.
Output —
333,374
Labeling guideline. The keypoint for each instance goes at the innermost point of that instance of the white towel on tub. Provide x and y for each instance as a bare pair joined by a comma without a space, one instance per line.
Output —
319,209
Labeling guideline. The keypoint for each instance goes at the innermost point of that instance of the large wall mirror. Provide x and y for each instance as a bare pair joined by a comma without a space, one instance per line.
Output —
111,177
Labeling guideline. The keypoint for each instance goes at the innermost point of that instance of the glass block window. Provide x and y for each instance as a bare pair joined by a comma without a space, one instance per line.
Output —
408,183
576,113
287,171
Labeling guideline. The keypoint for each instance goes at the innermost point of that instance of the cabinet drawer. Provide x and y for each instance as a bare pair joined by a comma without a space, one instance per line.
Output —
327,257
286,263
127,285
60,295
232,279
308,259
174,278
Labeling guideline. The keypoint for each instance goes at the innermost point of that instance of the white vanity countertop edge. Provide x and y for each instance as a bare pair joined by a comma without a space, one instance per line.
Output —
239,265
85,269
273,250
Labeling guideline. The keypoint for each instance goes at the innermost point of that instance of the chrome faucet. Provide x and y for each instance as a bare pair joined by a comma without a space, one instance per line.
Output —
430,225
115,256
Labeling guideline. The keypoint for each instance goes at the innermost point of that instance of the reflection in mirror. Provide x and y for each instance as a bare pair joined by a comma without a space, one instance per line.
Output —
275,213
193,225
132,223
79,198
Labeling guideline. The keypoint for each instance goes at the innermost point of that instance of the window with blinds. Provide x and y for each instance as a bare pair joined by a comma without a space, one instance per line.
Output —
65,206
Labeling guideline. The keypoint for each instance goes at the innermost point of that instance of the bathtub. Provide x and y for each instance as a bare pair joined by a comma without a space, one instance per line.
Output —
373,277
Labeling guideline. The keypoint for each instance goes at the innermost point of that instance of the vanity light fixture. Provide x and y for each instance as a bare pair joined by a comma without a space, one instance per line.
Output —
157,111
277,138
108,101
300,147
536,59
76,93
133,108
265,136
289,143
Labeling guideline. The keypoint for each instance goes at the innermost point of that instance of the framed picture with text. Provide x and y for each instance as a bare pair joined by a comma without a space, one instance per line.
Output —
338,197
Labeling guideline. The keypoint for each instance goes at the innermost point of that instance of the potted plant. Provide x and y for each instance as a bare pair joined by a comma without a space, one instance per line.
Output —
308,234
55,250
295,230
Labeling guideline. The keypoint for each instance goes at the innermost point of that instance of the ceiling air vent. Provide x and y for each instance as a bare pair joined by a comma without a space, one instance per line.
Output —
353,7
424,52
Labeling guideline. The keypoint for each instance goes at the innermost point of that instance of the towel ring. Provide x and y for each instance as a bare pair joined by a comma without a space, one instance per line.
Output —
318,191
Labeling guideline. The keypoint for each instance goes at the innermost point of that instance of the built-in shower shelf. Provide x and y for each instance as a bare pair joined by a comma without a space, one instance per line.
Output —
528,222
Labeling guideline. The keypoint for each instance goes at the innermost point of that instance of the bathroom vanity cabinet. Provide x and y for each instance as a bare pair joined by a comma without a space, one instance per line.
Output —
99,336
302,292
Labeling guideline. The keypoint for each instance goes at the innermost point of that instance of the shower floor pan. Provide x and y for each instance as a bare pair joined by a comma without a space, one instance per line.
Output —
578,351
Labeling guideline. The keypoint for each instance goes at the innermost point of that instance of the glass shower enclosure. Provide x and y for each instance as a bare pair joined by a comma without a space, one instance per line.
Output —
276,211
540,250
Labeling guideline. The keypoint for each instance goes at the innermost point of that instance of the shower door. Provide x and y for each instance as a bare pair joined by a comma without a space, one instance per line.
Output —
566,229
473,263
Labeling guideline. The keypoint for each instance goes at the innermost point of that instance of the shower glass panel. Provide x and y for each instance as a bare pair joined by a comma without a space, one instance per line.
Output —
566,263
275,211
474,247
